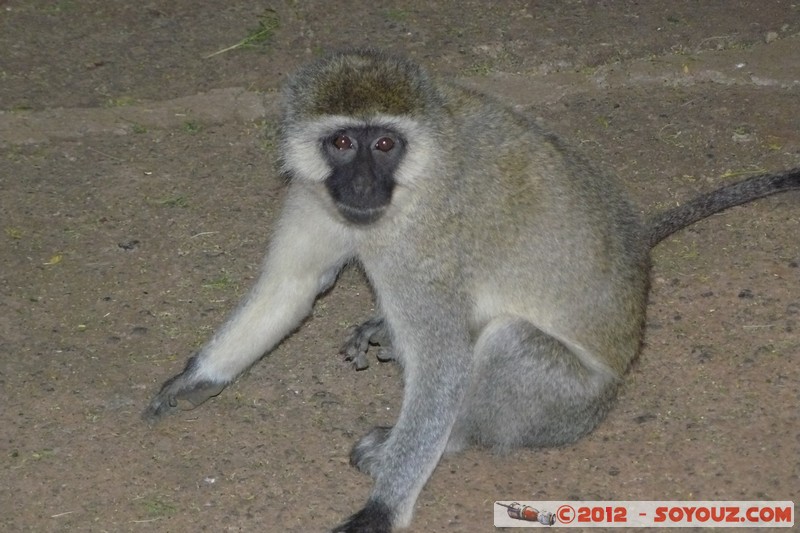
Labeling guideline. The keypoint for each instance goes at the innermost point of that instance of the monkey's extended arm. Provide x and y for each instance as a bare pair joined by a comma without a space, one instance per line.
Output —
304,257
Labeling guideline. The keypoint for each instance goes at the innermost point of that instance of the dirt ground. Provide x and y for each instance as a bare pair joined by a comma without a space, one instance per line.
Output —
137,192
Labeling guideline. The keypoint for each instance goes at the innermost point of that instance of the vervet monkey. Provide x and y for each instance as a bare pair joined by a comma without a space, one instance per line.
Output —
507,271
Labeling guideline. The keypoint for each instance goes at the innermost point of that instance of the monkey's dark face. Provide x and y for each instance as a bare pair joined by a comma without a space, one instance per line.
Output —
364,161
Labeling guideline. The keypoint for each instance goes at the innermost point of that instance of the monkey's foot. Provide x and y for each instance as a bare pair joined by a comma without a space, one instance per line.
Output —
366,453
355,348
180,392
375,517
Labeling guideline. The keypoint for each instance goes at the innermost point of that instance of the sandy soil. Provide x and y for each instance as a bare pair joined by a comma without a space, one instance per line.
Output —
137,192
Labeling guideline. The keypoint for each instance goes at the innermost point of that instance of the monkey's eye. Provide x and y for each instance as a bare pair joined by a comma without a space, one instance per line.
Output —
384,144
342,142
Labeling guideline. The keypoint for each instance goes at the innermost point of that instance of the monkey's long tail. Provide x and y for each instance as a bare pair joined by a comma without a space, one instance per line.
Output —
665,224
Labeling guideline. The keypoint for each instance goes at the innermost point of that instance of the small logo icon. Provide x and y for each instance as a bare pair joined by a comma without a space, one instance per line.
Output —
527,513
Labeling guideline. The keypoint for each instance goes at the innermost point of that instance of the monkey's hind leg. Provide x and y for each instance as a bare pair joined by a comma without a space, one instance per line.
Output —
528,389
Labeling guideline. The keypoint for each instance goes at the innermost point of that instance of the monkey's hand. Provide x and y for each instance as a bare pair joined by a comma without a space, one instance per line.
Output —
373,331
375,517
184,391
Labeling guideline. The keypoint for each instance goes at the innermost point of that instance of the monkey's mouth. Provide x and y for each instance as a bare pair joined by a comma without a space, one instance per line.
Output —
360,215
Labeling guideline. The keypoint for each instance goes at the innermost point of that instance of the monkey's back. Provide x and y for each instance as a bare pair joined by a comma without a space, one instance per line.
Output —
560,243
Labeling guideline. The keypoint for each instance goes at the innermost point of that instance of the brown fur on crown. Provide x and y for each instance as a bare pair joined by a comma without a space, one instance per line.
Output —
360,83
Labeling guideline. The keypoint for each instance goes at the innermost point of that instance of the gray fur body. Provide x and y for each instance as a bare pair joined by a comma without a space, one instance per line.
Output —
508,274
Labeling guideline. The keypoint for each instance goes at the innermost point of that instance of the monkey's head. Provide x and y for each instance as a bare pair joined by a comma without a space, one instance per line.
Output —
362,123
